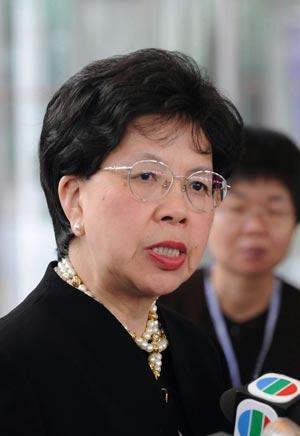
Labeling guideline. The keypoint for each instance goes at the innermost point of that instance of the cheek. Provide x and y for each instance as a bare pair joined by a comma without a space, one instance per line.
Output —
120,222
201,231
281,241
222,236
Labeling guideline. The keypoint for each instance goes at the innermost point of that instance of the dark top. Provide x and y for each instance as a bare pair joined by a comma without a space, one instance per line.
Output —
247,338
170,396
284,353
68,368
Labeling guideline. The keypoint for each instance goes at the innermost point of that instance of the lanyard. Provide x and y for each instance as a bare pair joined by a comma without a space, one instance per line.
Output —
223,335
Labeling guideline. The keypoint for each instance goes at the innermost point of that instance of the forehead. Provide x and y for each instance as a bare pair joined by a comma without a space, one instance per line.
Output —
260,189
171,141
164,130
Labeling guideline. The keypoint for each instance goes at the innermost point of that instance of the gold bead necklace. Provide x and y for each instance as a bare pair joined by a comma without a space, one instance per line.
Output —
153,340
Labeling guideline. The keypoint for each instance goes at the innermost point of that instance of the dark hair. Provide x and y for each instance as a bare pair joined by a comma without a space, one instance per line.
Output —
88,115
272,155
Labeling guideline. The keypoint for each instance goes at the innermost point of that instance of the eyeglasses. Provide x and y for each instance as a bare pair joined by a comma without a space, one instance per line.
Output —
270,215
151,180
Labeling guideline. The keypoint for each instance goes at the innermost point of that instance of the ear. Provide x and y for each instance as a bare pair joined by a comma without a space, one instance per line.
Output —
69,196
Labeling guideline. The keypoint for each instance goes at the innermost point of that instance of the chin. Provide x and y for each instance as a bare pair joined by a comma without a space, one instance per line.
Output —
163,285
254,271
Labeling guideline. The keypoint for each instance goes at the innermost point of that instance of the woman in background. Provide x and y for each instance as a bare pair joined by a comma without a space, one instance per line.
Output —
133,154
239,299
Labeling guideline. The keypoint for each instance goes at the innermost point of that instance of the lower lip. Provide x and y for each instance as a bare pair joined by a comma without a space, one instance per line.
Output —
167,262
253,253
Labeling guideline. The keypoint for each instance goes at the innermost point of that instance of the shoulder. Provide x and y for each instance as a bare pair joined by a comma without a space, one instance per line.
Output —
290,299
290,305
24,319
284,356
290,291
31,322
288,325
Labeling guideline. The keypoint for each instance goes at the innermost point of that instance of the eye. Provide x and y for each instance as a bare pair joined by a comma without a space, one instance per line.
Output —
198,187
144,176
277,212
236,208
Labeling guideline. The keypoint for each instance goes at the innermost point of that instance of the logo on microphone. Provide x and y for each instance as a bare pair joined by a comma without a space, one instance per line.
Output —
275,387
252,417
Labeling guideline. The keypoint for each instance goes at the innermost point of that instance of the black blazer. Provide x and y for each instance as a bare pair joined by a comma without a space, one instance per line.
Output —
284,354
68,368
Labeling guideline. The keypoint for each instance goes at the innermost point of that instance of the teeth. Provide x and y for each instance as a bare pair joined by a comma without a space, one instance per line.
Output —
165,251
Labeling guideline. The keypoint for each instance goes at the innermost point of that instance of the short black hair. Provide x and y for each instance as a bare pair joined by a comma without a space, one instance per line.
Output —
270,154
88,115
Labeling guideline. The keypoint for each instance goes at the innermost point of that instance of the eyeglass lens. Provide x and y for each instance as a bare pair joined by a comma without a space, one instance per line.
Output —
152,181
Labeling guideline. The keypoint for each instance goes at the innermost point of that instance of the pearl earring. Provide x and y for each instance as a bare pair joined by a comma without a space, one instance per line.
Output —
76,228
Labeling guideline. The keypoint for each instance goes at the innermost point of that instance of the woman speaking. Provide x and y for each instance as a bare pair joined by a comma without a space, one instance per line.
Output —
133,154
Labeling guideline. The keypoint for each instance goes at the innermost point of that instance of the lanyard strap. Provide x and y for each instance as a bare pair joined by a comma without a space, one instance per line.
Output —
223,334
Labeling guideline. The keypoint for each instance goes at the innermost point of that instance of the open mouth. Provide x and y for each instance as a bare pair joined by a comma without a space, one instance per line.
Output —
165,251
169,255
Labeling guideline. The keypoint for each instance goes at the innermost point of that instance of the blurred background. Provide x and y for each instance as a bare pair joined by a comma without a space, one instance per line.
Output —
250,49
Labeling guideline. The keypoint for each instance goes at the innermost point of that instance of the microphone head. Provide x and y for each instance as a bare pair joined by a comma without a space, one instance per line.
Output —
228,403
252,417
275,388
280,392
282,427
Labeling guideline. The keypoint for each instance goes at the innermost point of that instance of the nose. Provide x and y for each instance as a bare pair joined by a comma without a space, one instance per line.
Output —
173,208
255,221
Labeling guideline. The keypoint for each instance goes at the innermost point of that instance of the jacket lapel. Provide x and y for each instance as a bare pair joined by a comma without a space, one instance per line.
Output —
115,368
184,375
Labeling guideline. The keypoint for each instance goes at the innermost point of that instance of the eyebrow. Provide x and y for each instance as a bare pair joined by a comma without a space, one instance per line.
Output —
238,194
145,156
273,198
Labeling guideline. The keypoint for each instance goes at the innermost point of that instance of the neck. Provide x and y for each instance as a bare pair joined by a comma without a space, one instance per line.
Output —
242,297
129,308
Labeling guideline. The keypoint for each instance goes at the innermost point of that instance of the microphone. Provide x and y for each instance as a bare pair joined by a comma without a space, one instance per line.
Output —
252,407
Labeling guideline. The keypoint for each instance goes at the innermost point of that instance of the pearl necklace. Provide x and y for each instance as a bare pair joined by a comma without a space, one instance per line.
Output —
153,340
